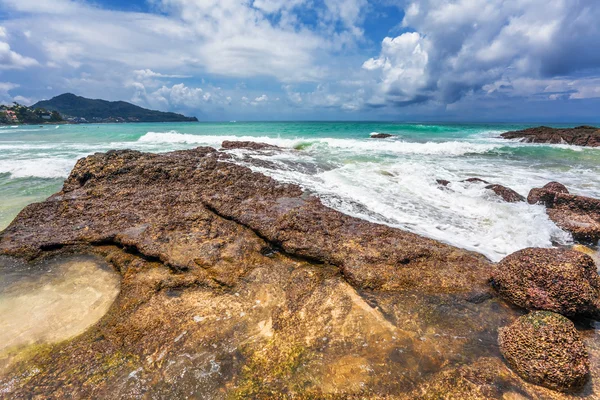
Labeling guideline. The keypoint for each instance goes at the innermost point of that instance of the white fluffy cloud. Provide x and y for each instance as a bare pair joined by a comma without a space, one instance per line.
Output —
460,46
10,59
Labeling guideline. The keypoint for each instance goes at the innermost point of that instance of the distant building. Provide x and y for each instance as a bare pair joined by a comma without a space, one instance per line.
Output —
11,116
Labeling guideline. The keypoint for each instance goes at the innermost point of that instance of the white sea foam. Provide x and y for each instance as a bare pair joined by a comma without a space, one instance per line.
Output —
405,194
391,181
454,148
38,167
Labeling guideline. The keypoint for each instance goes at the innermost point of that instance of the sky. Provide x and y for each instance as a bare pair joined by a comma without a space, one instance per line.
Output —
427,60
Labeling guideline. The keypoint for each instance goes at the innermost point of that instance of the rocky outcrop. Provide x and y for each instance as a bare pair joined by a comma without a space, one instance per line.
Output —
579,136
507,194
579,215
234,285
381,135
562,281
230,145
544,348
545,194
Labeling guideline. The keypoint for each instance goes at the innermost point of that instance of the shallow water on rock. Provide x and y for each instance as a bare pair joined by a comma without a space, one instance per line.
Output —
51,301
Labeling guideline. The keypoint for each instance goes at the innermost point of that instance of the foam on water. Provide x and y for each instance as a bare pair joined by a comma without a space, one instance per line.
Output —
391,181
405,194
50,167
456,148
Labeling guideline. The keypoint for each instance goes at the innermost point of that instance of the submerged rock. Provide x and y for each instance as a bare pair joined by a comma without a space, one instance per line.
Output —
544,348
381,135
506,194
475,180
579,136
562,281
229,145
579,215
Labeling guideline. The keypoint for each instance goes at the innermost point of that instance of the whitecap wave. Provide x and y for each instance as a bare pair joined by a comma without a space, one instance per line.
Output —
405,194
451,148
38,167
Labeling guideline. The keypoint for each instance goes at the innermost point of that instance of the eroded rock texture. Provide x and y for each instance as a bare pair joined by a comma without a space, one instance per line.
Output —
545,348
507,194
579,136
563,281
236,286
579,215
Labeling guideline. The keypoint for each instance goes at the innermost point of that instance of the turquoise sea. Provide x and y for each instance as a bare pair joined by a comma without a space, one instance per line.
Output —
391,181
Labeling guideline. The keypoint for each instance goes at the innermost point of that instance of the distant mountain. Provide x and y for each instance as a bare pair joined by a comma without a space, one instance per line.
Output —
72,106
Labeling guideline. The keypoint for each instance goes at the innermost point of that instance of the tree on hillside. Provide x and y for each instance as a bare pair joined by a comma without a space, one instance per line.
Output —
55,116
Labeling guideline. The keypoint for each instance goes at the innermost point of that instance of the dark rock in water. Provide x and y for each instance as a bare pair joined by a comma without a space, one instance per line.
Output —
381,136
507,194
579,136
442,182
562,281
544,348
579,215
475,180
229,145
546,193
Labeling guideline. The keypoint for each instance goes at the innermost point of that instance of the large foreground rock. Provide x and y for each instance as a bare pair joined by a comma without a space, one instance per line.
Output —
579,136
234,285
544,348
579,215
563,281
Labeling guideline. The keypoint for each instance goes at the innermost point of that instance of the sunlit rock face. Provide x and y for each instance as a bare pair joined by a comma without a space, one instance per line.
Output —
234,285
51,301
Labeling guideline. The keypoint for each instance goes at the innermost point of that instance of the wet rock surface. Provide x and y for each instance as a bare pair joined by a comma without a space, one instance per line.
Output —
507,194
545,195
544,348
234,285
579,215
579,136
381,136
563,281
230,145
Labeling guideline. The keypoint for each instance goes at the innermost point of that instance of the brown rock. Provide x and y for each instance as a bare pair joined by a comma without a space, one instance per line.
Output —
579,136
562,281
229,145
579,215
544,348
541,195
234,285
442,182
381,136
475,180
507,194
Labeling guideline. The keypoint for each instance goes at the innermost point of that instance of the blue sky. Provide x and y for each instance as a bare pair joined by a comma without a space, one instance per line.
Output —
427,60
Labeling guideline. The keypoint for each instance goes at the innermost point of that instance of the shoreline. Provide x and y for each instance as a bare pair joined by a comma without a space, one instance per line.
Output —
215,257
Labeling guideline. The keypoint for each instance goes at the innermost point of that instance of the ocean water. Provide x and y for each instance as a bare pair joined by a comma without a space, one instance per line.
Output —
389,181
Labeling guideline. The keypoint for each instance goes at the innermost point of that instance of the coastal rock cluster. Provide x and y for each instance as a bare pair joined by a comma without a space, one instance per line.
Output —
579,215
234,285
579,136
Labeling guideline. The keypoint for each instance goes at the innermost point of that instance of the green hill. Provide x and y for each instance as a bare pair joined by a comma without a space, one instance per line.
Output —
70,105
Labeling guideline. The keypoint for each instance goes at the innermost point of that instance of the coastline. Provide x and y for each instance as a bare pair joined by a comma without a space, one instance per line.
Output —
230,270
